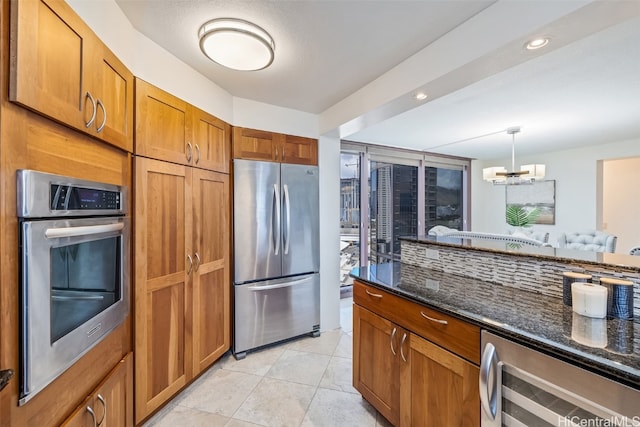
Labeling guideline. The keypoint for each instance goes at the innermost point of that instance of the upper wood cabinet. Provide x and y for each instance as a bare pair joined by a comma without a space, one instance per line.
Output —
182,277
211,141
254,144
61,69
111,403
168,128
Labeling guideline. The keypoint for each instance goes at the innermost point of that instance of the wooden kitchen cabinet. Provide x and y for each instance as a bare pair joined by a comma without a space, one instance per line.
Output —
254,144
62,70
376,362
168,128
182,279
111,403
408,378
211,141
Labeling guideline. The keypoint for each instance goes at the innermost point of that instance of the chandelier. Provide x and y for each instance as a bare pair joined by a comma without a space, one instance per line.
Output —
528,174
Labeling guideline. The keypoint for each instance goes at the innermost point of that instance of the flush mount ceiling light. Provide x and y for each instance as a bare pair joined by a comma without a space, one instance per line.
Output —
528,174
236,44
537,43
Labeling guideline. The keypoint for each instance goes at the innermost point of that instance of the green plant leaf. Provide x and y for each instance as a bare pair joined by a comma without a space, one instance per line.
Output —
520,216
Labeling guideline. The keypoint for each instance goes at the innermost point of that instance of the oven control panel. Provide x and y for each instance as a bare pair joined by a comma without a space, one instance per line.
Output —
69,197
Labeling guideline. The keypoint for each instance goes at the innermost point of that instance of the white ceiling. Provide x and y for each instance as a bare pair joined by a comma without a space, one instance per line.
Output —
586,88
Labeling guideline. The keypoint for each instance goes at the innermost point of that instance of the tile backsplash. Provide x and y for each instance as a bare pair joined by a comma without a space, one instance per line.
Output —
531,273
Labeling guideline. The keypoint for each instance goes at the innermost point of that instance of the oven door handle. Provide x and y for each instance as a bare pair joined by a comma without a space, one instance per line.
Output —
56,233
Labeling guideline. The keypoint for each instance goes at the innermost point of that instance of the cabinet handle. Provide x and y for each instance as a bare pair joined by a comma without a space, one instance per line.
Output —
371,294
283,155
404,338
5,377
197,261
277,153
93,104
189,151
104,409
104,117
93,415
393,335
489,398
197,153
190,265
442,322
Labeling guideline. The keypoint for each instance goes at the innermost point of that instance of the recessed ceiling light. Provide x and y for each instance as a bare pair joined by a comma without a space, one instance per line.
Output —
420,96
236,44
537,43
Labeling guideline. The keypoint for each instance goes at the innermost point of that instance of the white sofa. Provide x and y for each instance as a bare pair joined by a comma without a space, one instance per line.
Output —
440,230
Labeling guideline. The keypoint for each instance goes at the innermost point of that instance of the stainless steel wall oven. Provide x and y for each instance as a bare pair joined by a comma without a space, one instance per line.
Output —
74,268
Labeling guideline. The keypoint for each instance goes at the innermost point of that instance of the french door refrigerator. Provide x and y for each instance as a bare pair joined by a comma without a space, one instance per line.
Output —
276,253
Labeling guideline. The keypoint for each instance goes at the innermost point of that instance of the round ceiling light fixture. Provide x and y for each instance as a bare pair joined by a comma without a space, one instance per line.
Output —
236,44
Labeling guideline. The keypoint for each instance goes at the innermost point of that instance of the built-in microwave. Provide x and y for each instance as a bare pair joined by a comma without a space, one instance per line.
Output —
74,271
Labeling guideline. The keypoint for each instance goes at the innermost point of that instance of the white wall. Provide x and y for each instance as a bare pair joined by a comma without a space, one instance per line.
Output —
576,175
152,63
621,201
329,160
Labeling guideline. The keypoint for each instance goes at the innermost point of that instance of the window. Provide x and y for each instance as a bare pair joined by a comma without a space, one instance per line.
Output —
395,193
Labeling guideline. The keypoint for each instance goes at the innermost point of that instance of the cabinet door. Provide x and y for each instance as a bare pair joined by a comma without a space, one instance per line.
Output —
162,125
211,278
163,263
211,142
111,404
443,388
296,149
114,398
375,366
113,85
49,44
253,144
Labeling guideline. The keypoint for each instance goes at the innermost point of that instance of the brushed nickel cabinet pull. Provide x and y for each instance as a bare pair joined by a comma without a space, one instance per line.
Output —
104,409
104,115
197,260
189,151
393,335
197,153
404,338
190,265
442,322
371,294
5,377
93,104
93,416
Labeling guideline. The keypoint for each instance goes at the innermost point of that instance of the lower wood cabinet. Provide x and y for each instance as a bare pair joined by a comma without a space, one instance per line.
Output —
111,403
410,380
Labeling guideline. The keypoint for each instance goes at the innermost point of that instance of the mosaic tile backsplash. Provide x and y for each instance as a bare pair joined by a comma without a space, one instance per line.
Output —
531,273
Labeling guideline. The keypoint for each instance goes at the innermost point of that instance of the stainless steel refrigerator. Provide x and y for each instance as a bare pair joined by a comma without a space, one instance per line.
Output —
276,253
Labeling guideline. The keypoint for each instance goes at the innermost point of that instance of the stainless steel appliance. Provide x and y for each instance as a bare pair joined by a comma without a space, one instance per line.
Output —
74,254
520,386
276,255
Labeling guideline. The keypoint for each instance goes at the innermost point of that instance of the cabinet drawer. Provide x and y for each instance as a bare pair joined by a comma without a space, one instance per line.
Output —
448,332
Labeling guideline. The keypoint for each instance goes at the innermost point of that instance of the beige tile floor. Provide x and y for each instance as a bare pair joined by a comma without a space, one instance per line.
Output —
306,382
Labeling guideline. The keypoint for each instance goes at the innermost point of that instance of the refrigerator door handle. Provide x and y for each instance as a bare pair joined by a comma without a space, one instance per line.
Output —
275,219
287,212
277,285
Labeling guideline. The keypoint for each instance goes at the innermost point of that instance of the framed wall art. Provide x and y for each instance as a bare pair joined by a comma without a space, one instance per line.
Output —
540,195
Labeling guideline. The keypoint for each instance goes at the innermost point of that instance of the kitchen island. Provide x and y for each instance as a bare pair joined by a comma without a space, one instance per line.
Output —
532,319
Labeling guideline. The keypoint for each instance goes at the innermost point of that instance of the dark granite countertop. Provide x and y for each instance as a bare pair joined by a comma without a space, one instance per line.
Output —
532,319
